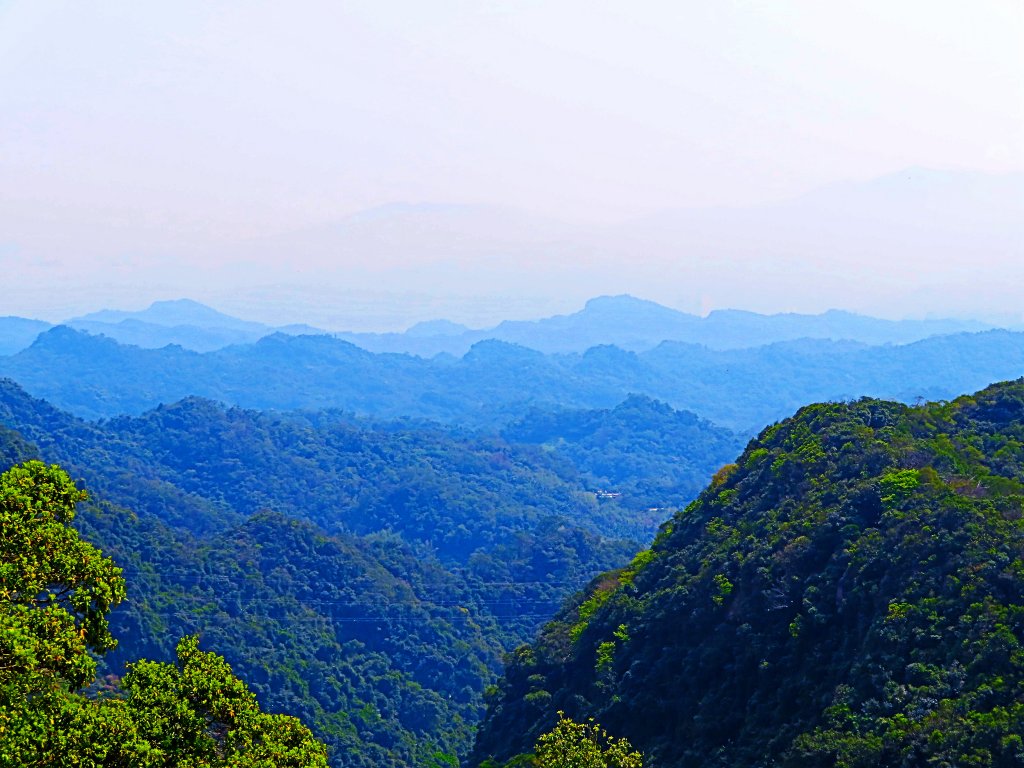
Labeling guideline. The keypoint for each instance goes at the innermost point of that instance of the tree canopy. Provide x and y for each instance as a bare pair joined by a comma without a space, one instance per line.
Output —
584,745
55,588
849,593
56,591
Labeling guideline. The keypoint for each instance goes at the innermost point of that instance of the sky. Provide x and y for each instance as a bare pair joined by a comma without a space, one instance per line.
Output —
158,150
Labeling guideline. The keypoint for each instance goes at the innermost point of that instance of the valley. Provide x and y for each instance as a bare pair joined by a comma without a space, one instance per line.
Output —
370,538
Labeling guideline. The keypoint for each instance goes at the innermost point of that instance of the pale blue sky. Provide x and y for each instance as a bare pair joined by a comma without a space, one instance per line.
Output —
137,136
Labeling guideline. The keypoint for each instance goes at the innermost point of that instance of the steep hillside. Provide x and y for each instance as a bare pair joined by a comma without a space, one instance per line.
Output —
363,577
850,592
381,652
508,517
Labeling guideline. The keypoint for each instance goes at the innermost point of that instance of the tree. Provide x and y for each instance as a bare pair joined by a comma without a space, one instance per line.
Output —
55,593
584,745
198,708
55,589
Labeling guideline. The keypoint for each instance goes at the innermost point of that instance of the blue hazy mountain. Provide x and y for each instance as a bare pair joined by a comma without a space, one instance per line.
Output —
908,243
181,322
178,312
636,324
741,389
624,321
16,333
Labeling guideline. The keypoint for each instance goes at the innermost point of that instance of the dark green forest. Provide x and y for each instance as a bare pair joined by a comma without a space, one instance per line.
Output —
56,591
850,592
652,456
363,576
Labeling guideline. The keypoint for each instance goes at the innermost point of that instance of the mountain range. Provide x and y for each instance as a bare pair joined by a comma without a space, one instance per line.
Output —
365,569
624,321
493,383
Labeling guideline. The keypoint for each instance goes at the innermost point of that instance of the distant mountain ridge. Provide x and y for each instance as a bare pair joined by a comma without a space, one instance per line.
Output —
170,313
16,333
638,325
623,321
741,389
914,239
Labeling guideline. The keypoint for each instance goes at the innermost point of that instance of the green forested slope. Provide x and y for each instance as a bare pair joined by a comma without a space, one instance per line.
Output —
647,454
382,655
56,590
199,465
851,593
365,578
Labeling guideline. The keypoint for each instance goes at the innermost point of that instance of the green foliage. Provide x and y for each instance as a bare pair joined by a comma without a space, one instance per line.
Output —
657,458
723,588
605,655
897,486
856,600
383,654
602,592
640,561
376,599
55,589
583,745
55,593
198,711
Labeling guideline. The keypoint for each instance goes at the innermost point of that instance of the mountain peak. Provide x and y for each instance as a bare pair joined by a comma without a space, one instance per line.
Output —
171,313
429,328
624,302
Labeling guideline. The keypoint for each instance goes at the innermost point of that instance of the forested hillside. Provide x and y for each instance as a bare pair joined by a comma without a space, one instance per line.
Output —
364,576
495,382
56,591
642,451
850,592
381,651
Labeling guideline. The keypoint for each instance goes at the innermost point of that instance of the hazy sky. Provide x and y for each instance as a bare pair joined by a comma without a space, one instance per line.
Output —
139,136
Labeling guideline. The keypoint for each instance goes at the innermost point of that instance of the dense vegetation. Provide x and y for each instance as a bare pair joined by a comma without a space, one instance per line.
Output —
363,576
850,593
642,452
382,651
496,382
200,466
55,593
382,654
